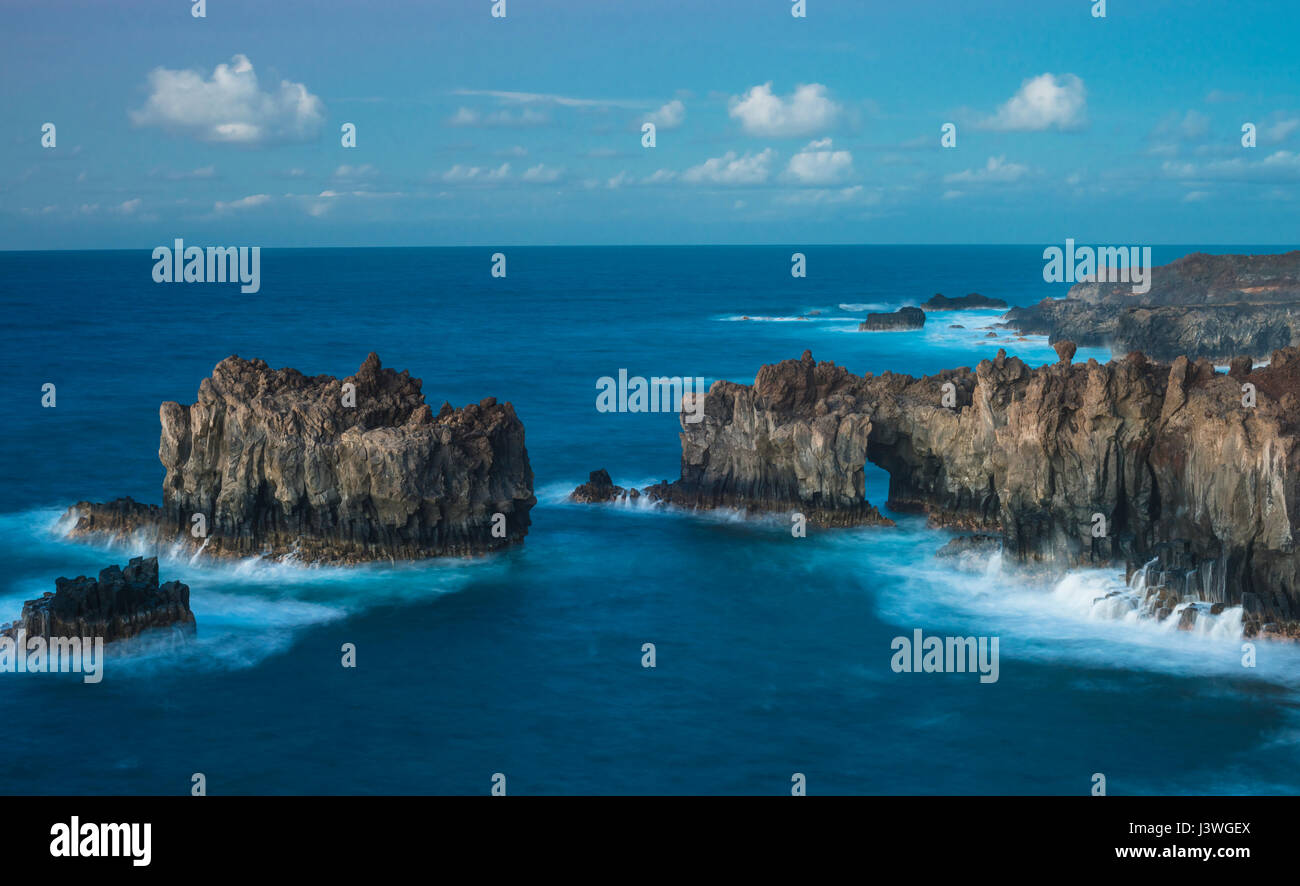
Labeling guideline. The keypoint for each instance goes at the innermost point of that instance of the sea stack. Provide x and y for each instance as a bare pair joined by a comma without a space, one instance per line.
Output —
120,604
272,462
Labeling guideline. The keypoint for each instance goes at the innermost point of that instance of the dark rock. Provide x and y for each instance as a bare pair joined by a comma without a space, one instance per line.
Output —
599,488
903,318
1200,306
121,603
1065,351
277,464
1032,454
940,302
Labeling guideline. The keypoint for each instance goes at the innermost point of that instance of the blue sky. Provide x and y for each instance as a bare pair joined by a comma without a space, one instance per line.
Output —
474,130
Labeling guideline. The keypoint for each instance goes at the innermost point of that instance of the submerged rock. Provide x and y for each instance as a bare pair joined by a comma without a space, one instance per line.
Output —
119,604
903,318
273,462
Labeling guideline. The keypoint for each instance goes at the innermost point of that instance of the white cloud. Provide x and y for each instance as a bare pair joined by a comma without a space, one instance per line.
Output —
817,196
995,171
731,169
1043,102
659,176
542,174
819,164
670,116
1281,129
460,173
249,202
804,112
1280,166
128,207
502,118
229,106
549,99
1195,196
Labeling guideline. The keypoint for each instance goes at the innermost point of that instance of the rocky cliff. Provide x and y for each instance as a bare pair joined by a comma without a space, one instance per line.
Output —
120,604
1200,306
336,470
1071,464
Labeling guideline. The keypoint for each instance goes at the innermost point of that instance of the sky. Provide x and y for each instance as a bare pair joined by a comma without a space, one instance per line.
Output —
527,129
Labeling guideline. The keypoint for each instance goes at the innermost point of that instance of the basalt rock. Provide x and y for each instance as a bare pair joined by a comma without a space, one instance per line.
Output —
903,318
273,462
1201,306
599,489
120,604
1070,464
941,302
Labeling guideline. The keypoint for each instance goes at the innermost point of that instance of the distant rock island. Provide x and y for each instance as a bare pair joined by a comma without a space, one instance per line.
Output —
276,463
1156,466
120,604
941,302
1201,306
903,318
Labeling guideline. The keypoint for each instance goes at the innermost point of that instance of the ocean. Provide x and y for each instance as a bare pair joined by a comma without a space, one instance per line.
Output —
772,653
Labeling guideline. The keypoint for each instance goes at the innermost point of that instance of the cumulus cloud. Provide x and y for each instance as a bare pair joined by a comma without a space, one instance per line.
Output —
819,164
807,110
995,171
1043,102
229,106
670,116
732,169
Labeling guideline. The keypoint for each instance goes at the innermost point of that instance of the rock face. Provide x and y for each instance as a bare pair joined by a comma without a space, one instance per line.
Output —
1200,306
791,442
941,302
1070,464
120,604
903,318
332,470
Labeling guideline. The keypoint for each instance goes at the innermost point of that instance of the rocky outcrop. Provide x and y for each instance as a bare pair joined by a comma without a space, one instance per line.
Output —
941,302
120,604
273,462
600,489
1200,306
903,318
1069,463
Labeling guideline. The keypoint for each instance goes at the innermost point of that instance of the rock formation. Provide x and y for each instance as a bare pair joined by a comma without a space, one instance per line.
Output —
1200,306
334,470
599,489
903,318
121,603
1069,463
941,302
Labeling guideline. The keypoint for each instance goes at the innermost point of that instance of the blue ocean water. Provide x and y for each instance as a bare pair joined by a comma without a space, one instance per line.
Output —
772,652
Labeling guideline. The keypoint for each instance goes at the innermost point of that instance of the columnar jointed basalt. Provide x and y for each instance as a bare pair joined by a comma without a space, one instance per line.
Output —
1073,464
794,441
121,603
276,463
